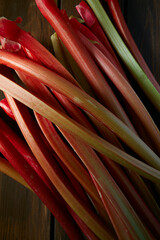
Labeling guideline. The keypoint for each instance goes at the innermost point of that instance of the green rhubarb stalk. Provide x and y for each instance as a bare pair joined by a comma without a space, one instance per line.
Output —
80,98
59,51
72,127
127,37
125,54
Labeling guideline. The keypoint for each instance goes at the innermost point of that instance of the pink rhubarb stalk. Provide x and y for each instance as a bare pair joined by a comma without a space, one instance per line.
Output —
92,164
30,132
82,57
89,104
126,90
115,170
88,34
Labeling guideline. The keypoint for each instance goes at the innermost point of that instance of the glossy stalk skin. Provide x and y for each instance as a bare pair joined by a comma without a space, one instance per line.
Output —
137,72
89,104
5,106
120,224
38,186
10,31
48,97
24,150
87,14
125,185
82,176
6,168
96,167
57,143
126,90
102,235
81,148
67,60
27,41
89,17
88,34
77,219
82,57
62,148
16,140
91,21
30,133
122,28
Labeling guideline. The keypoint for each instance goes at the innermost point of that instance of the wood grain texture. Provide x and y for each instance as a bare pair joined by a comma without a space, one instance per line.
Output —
143,18
22,215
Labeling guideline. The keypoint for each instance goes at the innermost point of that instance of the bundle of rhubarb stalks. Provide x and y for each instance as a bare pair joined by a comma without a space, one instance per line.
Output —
79,133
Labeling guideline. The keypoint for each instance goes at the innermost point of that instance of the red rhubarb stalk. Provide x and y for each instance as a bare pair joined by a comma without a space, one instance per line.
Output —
138,226
91,21
93,73
126,90
12,136
99,179
118,223
24,150
31,135
114,169
67,60
38,186
79,53
10,31
88,34
55,140
77,96
6,168
5,106
78,167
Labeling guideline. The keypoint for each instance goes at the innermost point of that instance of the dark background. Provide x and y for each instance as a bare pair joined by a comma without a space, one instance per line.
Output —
22,215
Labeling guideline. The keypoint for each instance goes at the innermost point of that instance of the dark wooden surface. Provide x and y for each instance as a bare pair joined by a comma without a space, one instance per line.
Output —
22,215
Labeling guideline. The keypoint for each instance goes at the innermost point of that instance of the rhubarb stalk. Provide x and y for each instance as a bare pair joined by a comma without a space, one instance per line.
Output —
80,98
125,54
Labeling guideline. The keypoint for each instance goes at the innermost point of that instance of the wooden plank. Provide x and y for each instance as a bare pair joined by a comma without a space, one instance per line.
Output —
144,23
69,6
22,215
